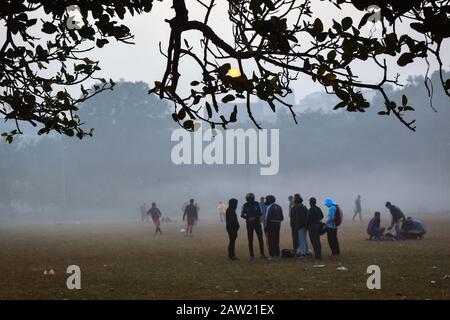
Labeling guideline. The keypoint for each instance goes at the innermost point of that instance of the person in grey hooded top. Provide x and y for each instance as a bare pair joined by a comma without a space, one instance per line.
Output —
332,228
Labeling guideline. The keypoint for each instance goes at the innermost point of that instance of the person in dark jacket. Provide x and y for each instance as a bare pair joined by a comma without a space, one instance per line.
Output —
315,216
191,215
358,208
155,213
272,227
374,229
292,223
397,218
252,214
232,226
300,214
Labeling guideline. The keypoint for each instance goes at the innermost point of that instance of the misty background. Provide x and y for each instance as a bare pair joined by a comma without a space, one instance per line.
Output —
328,154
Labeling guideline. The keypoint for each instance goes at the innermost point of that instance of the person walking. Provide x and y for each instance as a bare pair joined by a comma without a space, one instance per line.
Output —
315,217
232,226
272,227
252,214
191,216
332,227
155,214
222,209
358,208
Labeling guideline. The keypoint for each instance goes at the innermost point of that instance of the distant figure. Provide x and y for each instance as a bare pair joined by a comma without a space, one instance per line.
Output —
292,223
397,218
263,208
332,227
273,225
222,209
144,215
155,213
413,229
252,214
315,217
300,214
191,216
358,208
374,229
232,226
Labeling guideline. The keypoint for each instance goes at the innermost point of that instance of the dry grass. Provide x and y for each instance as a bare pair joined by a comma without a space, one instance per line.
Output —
127,262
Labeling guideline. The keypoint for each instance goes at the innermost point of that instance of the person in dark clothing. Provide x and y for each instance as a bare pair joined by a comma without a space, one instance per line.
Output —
232,226
191,215
397,218
272,227
155,213
252,214
292,223
374,229
358,208
315,216
300,215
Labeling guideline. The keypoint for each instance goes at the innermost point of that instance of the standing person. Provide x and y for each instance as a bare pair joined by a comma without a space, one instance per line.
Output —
300,214
232,226
191,215
143,210
222,209
292,223
332,227
263,208
397,218
155,213
252,214
358,208
315,217
273,225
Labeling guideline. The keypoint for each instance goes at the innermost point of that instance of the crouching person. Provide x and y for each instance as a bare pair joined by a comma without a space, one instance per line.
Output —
272,227
374,229
413,229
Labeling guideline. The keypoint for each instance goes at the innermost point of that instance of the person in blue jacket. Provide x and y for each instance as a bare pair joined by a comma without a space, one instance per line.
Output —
413,229
332,228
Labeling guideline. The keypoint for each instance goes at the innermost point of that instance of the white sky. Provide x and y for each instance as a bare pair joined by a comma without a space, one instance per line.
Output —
143,61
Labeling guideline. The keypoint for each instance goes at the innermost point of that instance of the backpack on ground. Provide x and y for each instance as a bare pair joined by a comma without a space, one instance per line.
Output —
287,253
338,216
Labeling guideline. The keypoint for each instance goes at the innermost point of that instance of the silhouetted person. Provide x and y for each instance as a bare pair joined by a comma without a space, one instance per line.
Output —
273,225
300,215
315,216
374,229
332,227
292,223
222,209
155,213
397,217
252,214
232,226
191,216
358,208
143,210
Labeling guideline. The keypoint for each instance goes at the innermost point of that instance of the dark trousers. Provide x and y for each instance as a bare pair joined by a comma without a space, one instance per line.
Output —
232,235
294,233
273,231
333,241
255,227
314,236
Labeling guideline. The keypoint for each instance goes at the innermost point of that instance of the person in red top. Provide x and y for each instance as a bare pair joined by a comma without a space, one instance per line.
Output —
155,213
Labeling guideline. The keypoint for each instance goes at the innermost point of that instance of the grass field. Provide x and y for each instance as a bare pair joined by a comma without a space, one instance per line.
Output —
128,262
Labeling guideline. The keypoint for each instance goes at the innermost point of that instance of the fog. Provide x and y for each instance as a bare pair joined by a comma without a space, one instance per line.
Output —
54,179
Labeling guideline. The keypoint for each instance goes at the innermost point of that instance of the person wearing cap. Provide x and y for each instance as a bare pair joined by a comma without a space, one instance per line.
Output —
332,227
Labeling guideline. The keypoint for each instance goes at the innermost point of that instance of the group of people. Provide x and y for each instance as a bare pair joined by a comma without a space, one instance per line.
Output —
400,227
264,218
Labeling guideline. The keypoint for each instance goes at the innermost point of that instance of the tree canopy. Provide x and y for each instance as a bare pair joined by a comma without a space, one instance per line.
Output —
275,42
